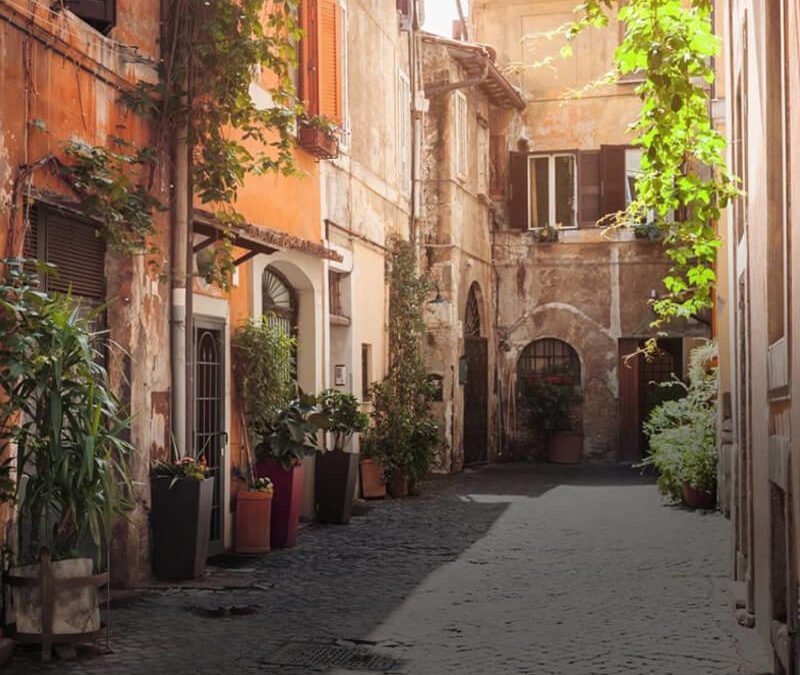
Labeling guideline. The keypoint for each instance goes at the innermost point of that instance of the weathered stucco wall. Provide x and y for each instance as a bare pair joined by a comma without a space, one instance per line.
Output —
455,239
58,70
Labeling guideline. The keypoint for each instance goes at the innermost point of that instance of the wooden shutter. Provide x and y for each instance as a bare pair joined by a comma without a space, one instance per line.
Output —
330,74
612,179
588,188
309,84
518,190
99,13
497,165
78,254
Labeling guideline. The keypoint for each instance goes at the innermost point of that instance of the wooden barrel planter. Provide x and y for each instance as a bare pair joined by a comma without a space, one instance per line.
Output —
53,589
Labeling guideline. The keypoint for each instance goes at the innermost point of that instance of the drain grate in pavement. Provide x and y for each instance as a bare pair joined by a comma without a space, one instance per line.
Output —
326,655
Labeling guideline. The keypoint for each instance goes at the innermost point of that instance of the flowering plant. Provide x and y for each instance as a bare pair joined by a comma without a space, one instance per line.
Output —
262,484
180,469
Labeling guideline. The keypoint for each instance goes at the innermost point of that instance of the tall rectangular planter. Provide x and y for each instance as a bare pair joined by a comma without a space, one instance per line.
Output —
286,501
181,519
334,485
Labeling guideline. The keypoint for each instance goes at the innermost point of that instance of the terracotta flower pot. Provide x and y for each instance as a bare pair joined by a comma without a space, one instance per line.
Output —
286,501
253,514
372,485
698,499
565,447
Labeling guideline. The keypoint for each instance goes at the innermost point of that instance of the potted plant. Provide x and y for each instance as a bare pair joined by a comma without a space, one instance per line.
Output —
253,515
373,484
262,367
682,435
291,436
550,400
317,135
180,516
336,469
60,417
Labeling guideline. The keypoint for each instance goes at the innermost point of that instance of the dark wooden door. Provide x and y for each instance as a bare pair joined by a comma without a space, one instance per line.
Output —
210,437
476,389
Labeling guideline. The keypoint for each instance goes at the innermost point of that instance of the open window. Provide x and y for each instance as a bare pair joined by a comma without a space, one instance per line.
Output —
101,14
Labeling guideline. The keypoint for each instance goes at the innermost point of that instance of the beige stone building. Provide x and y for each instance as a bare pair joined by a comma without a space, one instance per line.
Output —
758,321
469,103
578,304
366,190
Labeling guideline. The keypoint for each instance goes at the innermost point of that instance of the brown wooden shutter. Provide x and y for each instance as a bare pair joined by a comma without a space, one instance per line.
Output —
497,165
612,179
309,84
518,190
78,254
588,188
330,75
99,13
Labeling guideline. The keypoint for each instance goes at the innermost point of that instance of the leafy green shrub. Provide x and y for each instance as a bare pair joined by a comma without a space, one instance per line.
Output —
57,407
682,432
262,368
293,432
344,416
403,435
549,404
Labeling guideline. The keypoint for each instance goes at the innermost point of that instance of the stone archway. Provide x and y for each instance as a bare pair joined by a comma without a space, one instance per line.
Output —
476,384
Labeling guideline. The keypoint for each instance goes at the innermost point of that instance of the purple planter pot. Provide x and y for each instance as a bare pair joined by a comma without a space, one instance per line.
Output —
286,501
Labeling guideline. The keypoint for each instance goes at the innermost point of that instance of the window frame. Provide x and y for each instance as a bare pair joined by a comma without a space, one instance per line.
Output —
551,187
460,135
404,130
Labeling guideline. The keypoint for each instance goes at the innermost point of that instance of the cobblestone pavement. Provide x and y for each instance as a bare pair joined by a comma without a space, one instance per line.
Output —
508,570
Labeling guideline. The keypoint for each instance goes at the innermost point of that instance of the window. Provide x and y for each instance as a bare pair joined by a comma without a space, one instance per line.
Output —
483,160
460,135
549,358
279,305
338,304
552,191
100,14
404,130
71,244
366,360
323,59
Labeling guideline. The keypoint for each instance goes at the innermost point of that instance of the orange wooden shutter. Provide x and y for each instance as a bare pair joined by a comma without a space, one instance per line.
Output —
309,61
330,75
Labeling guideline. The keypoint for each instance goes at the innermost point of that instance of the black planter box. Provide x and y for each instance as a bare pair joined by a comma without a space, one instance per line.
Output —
181,518
335,484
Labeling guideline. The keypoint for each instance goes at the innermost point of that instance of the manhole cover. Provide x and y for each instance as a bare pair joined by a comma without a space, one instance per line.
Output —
326,655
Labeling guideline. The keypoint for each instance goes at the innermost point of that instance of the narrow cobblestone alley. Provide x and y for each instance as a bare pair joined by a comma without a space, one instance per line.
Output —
508,570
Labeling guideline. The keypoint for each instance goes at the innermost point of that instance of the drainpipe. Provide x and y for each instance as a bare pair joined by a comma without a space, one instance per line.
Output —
415,122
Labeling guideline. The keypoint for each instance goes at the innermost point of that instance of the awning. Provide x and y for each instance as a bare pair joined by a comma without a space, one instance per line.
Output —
254,239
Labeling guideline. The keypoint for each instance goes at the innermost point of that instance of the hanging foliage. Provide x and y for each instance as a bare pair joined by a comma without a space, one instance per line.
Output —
670,44
215,52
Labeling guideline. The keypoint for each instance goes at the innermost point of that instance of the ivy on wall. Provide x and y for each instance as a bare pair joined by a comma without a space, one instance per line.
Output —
670,44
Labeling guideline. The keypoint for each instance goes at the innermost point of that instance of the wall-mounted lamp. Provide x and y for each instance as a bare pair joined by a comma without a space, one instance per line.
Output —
438,300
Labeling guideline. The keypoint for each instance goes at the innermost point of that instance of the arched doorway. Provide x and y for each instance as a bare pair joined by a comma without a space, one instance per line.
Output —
547,361
279,304
476,386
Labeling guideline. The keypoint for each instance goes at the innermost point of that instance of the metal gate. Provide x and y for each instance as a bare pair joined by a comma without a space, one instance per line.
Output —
210,436
476,399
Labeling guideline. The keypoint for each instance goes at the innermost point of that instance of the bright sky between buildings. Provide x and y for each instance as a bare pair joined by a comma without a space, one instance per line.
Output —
440,14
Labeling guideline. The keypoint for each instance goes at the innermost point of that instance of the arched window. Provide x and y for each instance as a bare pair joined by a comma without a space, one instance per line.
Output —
549,359
278,300
472,314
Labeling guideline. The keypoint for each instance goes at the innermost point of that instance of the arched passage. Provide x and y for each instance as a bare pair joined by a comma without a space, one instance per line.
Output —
548,367
476,386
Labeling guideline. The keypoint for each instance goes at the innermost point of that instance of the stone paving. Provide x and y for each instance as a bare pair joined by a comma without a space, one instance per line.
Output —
510,570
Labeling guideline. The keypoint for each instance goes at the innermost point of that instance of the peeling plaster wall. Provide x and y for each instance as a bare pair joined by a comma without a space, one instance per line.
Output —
40,51
587,294
456,250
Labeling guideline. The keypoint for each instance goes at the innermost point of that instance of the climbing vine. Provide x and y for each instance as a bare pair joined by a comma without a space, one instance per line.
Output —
214,52
111,185
670,43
